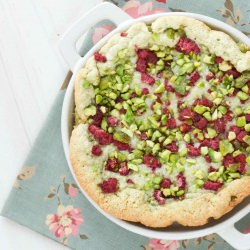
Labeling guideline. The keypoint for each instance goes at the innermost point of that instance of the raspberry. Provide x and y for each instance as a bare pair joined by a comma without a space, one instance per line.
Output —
186,114
99,57
96,150
145,91
201,124
204,102
193,151
194,77
186,45
143,136
234,93
228,160
129,181
158,197
241,135
166,183
233,72
98,117
218,59
171,123
242,168
235,129
121,145
209,185
181,181
123,34
147,55
118,99
123,169
141,65
220,125
133,95
151,162
146,78
169,88
185,128
172,147
112,121
100,135
211,143
248,117
207,158
211,169
210,76
109,186
122,111
112,165
241,158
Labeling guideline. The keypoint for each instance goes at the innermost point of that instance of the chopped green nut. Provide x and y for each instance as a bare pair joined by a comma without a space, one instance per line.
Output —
183,152
231,135
213,176
187,138
199,174
166,192
246,139
180,193
247,127
204,151
133,167
121,137
86,84
215,156
165,155
160,88
222,109
208,116
238,110
98,99
200,109
157,179
170,33
226,147
90,110
241,121
242,96
234,175
104,124
211,133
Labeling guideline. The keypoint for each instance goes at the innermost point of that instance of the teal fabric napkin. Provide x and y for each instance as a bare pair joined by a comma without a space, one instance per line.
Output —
45,197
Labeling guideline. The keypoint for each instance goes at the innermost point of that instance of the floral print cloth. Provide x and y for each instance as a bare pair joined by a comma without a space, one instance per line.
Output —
45,197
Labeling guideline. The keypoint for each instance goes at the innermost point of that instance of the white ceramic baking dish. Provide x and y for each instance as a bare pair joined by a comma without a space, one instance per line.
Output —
67,45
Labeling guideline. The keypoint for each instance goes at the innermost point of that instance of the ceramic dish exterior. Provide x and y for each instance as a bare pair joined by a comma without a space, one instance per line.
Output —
71,55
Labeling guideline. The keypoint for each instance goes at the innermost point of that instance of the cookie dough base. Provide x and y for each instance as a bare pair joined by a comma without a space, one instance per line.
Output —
129,203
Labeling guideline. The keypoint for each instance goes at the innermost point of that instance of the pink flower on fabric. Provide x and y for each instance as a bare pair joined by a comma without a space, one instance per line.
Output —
247,231
72,191
136,9
101,32
164,244
65,222
162,1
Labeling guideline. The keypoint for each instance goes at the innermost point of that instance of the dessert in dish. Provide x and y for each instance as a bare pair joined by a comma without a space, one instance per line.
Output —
162,123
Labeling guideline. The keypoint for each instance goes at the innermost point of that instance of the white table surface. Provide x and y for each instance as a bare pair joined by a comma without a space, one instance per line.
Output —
31,73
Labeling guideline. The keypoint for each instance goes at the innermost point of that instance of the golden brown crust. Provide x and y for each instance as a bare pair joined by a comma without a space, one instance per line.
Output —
129,204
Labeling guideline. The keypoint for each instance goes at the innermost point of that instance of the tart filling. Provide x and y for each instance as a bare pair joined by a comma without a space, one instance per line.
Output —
168,116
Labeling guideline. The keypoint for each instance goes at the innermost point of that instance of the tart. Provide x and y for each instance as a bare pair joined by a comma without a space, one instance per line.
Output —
162,131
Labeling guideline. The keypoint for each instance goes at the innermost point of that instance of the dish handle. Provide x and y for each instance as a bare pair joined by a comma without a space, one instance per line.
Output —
235,238
67,43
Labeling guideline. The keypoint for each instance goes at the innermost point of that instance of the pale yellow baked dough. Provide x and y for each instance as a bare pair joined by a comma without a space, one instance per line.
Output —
129,203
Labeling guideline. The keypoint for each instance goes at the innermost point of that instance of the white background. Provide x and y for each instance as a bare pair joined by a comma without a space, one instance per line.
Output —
31,74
